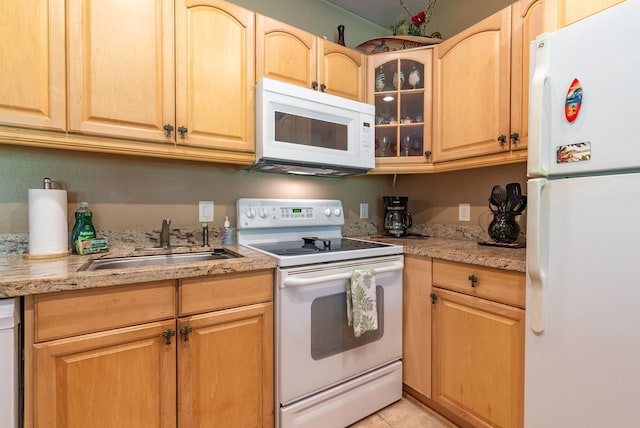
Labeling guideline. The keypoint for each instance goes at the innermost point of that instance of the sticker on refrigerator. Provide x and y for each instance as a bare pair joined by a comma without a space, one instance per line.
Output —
573,152
573,101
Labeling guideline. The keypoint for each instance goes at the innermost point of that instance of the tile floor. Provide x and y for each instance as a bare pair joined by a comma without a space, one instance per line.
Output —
405,413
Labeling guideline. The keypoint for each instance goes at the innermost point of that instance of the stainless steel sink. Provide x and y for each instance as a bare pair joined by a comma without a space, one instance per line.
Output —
155,260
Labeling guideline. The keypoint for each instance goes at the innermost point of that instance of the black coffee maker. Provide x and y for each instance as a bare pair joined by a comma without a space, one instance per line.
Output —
397,218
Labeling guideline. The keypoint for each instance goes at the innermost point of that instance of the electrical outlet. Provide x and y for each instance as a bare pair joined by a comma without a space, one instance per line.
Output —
205,211
464,212
364,210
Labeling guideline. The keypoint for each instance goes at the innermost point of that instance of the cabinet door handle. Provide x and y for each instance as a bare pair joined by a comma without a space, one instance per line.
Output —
314,86
182,130
502,139
184,331
323,87
474,280
514,137
168,334
167,130
427,154
434,298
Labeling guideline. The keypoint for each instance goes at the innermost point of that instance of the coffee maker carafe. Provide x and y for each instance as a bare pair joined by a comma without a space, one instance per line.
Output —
397,218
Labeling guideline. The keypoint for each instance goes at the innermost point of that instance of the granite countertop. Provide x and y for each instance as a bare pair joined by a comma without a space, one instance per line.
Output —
464,251
20,276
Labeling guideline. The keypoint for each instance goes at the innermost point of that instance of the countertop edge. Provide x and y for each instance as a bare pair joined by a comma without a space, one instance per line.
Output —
20,277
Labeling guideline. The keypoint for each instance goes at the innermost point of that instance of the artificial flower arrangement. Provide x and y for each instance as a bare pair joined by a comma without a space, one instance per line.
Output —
415,26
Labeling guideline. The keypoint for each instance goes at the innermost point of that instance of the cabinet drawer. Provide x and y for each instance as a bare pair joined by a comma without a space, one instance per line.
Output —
494,284
216,292
71,313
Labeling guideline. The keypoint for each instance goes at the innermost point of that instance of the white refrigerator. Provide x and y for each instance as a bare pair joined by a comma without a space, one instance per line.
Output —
582,341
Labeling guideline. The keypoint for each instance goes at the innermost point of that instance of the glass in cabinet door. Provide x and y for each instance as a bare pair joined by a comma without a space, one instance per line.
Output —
399,98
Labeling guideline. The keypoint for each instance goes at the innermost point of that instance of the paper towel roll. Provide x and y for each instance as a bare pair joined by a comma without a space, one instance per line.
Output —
48,226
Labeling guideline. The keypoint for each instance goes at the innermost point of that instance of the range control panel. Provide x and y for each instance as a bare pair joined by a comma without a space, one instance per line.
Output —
255,213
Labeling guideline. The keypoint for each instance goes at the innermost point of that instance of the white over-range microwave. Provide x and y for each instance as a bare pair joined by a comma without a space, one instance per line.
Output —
307,132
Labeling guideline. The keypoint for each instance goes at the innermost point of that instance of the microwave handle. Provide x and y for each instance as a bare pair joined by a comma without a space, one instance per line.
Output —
302,282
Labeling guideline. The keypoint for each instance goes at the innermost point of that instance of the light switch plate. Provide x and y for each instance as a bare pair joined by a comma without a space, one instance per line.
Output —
364,210
205,211
464,212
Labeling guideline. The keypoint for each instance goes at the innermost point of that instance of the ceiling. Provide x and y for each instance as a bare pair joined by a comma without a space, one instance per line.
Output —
381,12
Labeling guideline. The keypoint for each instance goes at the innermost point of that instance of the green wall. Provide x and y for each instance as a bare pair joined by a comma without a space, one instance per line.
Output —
318,17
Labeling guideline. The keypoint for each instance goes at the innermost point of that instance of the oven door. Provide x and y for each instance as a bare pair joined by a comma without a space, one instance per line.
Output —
315,348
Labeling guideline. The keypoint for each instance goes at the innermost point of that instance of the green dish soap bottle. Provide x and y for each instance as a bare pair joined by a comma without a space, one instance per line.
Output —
83,228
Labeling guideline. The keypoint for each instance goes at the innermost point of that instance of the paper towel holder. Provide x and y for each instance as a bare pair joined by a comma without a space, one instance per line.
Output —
47,184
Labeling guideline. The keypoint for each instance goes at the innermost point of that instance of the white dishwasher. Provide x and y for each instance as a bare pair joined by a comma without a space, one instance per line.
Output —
10,355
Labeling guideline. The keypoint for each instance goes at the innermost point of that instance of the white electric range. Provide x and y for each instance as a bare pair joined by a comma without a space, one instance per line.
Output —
325,376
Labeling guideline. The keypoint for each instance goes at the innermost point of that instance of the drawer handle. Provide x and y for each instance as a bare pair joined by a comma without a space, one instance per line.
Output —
474,280
184,331
168,334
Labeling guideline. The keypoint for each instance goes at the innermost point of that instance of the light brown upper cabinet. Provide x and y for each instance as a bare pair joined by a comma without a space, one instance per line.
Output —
560,13
400,88
481,87
527,23
286,53
472,89
32,61
153,71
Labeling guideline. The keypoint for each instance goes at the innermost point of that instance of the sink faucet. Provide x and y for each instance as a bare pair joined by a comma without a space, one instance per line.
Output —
164,233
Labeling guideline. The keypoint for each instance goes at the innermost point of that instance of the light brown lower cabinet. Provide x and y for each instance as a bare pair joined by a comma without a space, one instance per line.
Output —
416,339
478,343
133,356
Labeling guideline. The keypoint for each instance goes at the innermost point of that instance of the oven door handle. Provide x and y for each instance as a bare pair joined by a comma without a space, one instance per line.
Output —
302,282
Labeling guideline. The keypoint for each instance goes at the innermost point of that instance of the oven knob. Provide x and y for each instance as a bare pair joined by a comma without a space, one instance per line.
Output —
337,212
264,213
250,213
327,212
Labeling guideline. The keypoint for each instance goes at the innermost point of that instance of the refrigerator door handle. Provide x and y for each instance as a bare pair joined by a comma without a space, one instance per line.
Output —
539,78
535,275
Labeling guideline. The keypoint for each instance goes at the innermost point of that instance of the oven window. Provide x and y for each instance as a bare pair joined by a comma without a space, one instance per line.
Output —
291,128
330,333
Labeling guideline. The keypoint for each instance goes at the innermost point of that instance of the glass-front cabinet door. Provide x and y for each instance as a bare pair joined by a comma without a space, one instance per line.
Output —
402,94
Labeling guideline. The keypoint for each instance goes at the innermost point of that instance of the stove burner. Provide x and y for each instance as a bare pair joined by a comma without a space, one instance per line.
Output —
311,243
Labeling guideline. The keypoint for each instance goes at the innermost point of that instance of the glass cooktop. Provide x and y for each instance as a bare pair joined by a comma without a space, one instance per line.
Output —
313,245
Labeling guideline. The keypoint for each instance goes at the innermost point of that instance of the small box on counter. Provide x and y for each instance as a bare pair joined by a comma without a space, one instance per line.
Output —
92,246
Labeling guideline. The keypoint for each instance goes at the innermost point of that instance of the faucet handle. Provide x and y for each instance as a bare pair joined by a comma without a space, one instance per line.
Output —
166,221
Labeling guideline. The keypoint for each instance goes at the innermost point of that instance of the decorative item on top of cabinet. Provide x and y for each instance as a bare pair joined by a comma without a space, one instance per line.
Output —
286,53
481,80
478,343
32,61
401,92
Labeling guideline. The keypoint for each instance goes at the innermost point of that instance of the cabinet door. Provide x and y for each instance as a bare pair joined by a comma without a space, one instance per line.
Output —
226,368
561,13
121,68
123,377
400,88
215,54
527,22
341,70
416,322
472,90
478,359
285,53
32,64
